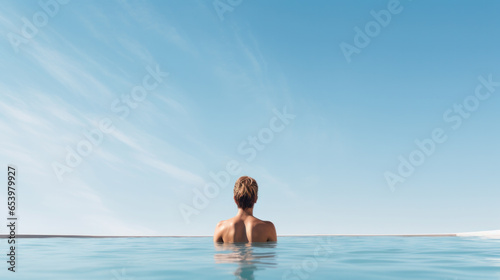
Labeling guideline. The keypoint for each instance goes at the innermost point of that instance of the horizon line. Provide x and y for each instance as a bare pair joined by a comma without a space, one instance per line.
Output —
6,236
489,233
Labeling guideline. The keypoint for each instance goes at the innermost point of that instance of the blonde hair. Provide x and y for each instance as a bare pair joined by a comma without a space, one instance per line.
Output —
245,192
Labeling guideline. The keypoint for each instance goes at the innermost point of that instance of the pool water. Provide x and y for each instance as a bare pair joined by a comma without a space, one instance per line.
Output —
294,258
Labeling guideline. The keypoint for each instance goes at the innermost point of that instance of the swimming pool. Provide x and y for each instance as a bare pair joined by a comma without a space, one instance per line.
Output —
296,258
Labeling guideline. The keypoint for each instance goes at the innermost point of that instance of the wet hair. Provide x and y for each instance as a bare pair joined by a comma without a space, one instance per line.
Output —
245,192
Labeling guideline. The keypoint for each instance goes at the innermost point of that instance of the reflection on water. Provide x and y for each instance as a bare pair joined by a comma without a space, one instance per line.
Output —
248,256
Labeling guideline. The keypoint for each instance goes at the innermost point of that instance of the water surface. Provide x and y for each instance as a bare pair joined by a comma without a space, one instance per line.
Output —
294,258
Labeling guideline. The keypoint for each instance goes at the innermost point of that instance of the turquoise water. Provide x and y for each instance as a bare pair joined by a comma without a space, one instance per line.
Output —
296,258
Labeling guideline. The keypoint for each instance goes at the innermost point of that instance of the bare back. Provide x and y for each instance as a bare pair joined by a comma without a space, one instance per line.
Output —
244,228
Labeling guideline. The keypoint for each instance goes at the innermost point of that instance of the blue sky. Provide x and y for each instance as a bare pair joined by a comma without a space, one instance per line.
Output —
232,76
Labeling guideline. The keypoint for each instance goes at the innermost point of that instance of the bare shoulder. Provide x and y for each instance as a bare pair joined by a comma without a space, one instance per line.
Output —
266,230
219,230
271,232
270,225
264,224
221,224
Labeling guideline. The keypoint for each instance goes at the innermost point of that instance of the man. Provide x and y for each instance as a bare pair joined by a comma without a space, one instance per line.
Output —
244,227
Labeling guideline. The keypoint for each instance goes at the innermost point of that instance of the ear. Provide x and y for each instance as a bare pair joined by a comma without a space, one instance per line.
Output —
257,197
234,198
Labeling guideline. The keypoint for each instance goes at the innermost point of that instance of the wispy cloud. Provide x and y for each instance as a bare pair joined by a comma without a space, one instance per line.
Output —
69,72
150,19
182,175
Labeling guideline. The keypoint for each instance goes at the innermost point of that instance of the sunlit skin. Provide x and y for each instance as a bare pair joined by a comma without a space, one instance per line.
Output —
244,227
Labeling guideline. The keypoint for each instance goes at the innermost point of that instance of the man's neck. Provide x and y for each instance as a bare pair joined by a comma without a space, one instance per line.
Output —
246,212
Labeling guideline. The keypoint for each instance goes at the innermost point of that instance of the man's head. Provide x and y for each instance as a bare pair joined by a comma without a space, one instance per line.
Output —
245,192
